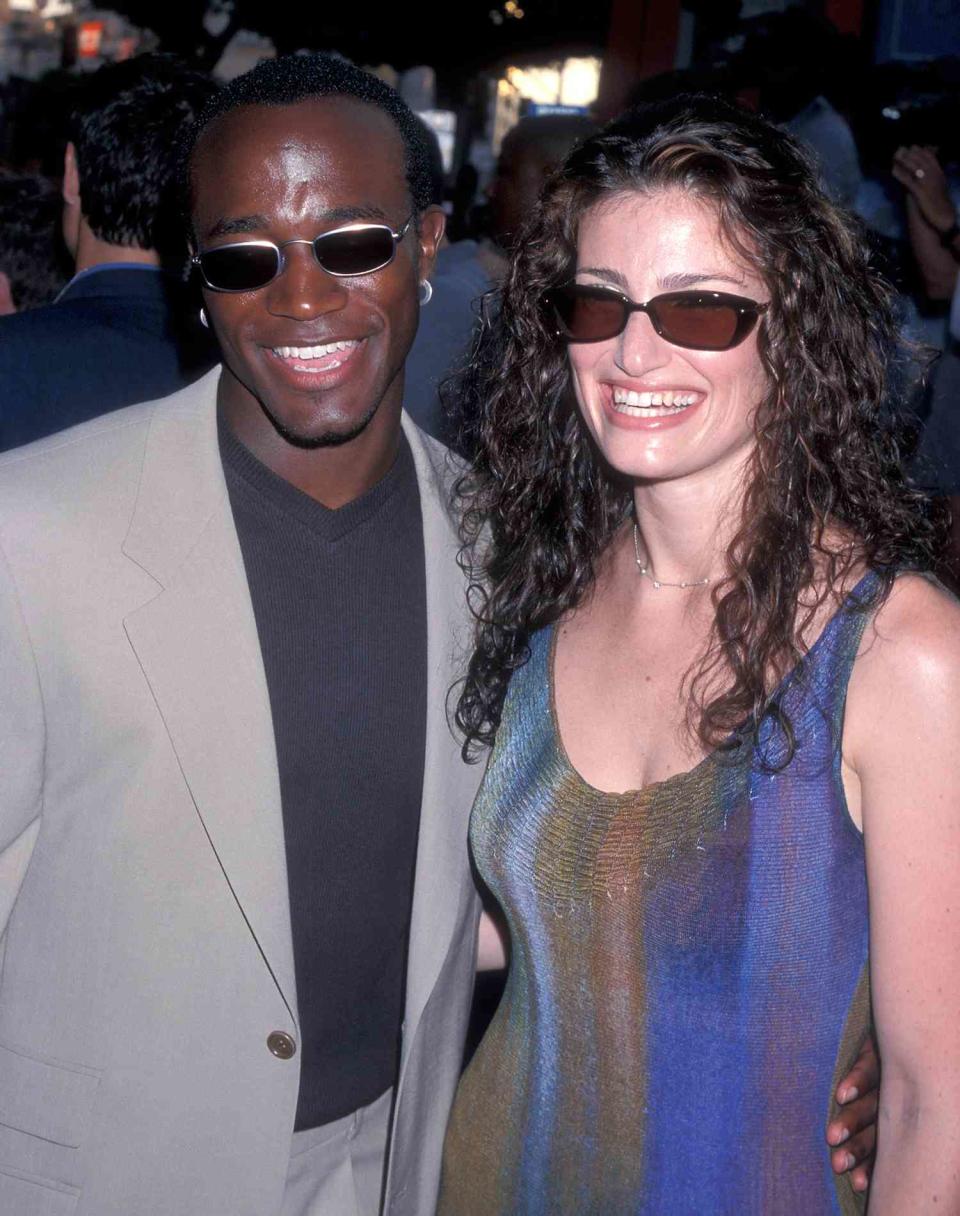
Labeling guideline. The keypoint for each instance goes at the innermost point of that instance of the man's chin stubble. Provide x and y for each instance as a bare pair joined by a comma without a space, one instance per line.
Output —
327,439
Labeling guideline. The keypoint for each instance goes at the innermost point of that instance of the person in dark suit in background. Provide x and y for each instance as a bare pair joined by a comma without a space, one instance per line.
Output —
122,329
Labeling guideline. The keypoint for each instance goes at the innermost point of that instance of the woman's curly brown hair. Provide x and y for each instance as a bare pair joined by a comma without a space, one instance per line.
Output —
825,494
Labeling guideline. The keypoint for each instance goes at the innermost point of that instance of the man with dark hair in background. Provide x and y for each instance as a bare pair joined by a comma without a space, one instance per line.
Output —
528,155
466,270
121,331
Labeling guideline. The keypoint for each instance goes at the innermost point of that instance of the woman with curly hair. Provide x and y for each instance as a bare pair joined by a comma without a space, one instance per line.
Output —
724,702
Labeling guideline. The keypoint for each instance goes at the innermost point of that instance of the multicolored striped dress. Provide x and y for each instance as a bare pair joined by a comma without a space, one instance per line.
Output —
688,979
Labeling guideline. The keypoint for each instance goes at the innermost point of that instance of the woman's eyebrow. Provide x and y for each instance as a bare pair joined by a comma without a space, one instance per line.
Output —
670,282
675,282
604,272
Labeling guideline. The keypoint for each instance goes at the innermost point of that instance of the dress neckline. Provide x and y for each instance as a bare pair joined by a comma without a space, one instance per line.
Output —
652,787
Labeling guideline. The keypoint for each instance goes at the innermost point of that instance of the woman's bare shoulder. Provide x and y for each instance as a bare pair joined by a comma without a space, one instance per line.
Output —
918,622
908,668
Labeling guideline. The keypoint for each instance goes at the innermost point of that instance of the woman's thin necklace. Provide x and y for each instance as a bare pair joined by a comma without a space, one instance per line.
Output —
644,568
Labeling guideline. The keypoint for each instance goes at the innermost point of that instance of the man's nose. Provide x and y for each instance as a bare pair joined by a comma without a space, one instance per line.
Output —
640,348
303,289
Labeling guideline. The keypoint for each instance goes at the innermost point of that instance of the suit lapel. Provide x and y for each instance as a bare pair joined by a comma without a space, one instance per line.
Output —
449,785
197,645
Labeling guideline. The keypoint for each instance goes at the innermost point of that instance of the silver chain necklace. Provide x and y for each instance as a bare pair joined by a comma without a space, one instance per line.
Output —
645,570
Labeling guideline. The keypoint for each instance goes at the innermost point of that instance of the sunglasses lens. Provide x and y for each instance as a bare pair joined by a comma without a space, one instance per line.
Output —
698,321
587,314
239,267
359,251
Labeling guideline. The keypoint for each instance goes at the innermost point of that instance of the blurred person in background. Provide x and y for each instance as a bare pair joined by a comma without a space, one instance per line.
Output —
932,222
792,58
123,329
934,231
528,155
466,270
446,326
470,269
898,108
33,262
895,106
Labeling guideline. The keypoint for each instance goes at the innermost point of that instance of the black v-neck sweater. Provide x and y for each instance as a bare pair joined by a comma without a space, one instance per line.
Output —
340,603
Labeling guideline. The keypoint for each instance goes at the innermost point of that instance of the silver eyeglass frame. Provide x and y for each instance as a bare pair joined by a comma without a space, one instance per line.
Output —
396,236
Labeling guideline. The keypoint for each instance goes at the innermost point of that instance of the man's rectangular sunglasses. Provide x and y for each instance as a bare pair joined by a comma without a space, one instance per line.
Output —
345,252
697,320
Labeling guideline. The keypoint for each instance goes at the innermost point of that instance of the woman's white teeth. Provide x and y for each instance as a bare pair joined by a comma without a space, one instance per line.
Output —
622,396
659,403
312,352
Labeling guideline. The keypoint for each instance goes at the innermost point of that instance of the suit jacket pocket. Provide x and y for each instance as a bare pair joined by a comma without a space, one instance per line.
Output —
45,1098
27,1195
45,1108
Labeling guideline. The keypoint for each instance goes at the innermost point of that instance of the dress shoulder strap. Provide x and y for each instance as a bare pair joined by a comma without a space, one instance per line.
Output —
818,693
813,696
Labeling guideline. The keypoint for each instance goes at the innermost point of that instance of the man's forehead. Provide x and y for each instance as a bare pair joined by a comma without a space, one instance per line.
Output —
329,121
334,158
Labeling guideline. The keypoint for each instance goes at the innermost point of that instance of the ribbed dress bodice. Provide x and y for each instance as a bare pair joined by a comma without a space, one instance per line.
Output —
688,975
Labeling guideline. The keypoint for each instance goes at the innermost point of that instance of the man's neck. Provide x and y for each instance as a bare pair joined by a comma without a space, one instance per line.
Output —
92,251
333,475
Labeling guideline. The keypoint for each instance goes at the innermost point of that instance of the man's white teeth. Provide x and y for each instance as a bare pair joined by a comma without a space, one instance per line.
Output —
312,352
622,396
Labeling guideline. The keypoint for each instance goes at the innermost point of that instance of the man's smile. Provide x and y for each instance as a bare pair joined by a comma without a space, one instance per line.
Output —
317,358
317,365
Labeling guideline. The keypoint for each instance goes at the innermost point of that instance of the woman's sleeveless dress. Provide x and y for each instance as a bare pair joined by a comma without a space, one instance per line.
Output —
688,979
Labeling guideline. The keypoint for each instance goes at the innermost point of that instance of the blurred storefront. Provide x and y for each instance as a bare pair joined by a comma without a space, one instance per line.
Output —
40,36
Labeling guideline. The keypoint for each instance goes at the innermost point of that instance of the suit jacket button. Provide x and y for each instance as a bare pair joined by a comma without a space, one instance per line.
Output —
281,1044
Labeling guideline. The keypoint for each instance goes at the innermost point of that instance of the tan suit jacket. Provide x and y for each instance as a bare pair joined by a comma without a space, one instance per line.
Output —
146,947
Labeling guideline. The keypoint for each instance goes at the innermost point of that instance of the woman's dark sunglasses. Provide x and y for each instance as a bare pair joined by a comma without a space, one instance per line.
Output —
697,320
344,252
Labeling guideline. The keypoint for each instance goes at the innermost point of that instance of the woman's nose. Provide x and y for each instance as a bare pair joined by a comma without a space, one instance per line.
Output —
640,348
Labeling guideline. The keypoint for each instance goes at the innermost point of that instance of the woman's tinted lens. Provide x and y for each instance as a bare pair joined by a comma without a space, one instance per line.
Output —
698,321
588,314
239,267
706,320
355,251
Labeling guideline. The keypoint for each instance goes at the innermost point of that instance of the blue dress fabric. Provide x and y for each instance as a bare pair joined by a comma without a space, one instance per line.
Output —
689,969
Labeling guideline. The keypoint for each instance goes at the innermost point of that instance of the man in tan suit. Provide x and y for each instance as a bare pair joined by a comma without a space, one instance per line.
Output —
238,919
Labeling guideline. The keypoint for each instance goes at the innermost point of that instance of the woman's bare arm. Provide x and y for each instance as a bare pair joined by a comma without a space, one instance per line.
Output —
491,947
902,738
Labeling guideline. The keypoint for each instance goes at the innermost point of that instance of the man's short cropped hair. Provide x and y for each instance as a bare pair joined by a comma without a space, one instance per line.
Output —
290,79
126,123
